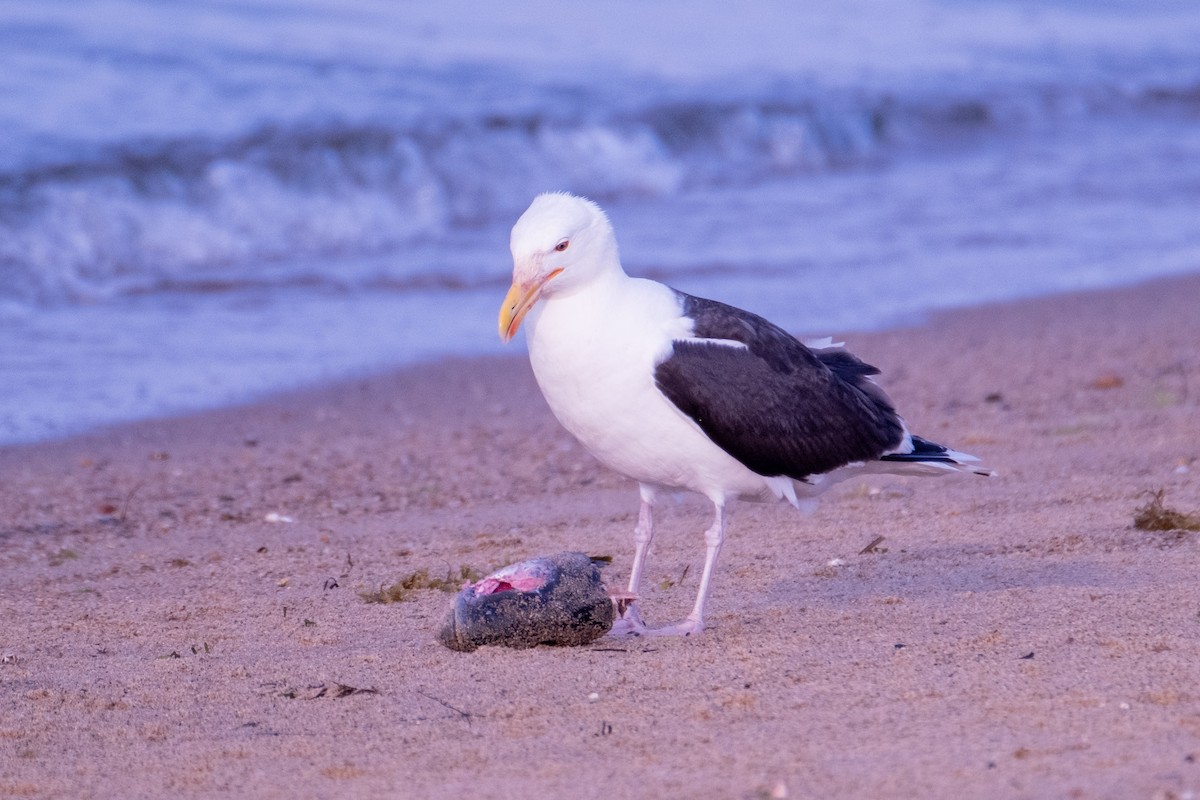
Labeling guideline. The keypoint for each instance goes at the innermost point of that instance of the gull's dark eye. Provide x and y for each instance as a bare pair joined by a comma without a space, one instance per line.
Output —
561,246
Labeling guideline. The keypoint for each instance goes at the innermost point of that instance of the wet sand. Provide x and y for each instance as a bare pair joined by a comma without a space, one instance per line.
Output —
183,600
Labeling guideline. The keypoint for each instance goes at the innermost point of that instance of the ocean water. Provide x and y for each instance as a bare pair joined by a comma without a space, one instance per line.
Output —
205,202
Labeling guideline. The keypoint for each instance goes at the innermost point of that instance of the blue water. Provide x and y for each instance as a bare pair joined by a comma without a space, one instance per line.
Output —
204,202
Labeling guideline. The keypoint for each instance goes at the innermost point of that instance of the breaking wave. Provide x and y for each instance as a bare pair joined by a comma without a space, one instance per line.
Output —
266,207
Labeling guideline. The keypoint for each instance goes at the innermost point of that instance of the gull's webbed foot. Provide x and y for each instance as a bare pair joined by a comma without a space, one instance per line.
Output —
630,623
687,627
629,617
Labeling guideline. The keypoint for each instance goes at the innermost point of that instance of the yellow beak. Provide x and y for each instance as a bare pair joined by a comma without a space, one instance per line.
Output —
517,302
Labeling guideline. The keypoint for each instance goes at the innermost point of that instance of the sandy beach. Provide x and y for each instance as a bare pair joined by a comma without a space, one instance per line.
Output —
183,600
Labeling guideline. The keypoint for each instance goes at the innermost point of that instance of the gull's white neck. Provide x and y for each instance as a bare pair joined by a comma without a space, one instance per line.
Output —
590,306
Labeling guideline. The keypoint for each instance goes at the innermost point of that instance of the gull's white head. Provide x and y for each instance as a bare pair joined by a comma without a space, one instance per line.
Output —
561,242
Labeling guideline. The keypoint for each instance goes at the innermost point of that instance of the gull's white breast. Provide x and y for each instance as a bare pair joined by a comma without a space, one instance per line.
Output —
594,352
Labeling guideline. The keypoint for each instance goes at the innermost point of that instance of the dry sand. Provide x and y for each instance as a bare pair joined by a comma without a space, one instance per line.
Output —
1011,637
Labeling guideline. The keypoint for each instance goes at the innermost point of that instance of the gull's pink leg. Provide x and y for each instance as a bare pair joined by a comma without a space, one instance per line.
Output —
714,537
630,622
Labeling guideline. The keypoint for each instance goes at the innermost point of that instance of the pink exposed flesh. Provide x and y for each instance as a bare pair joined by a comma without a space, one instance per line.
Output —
509,581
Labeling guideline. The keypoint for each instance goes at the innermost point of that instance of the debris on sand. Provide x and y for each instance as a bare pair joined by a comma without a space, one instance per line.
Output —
406,587
1154,516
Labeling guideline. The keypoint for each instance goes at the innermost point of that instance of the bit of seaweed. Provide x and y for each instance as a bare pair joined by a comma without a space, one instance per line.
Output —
874,547
62,556
464,714
340,690
1154,516
405,588
320,690
668,583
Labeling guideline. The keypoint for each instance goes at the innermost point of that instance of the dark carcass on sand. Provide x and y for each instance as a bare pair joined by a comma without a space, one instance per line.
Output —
558,600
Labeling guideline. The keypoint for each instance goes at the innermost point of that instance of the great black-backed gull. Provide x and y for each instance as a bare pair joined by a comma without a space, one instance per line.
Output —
678,392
